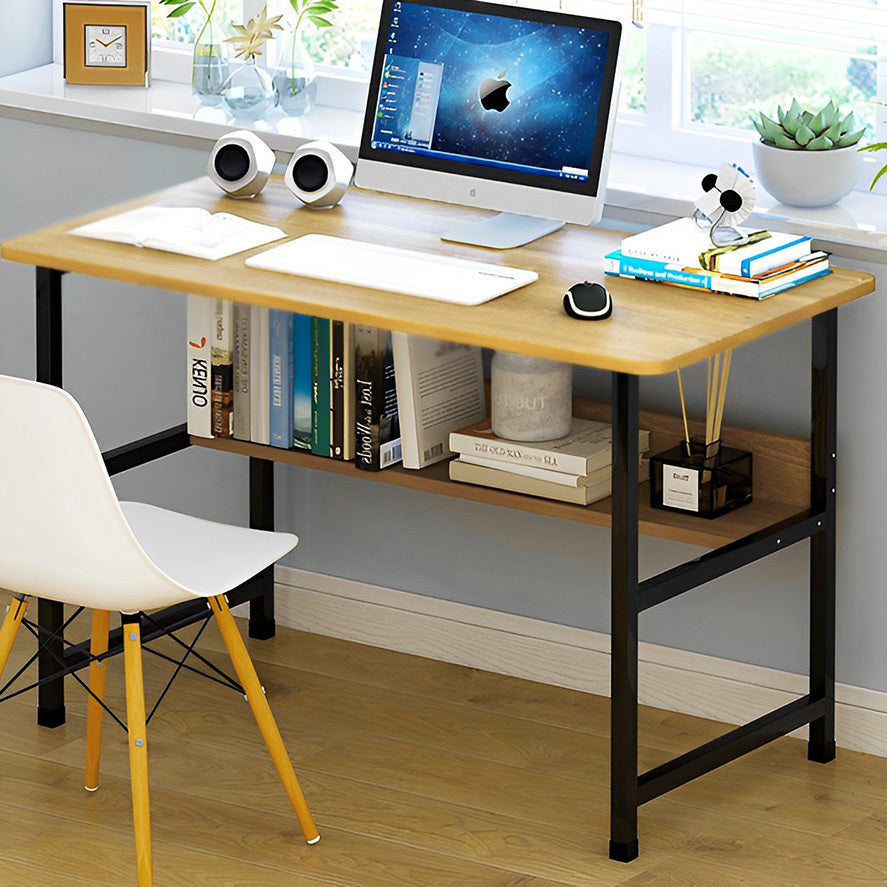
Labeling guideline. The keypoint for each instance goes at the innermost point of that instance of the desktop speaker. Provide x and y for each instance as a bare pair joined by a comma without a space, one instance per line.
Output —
318,174
240,163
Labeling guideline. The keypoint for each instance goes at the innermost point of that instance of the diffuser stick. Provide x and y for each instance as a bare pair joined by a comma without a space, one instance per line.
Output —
722,394
684,410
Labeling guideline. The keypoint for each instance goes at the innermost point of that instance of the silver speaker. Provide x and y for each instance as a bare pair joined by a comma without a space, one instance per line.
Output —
319,174
240,163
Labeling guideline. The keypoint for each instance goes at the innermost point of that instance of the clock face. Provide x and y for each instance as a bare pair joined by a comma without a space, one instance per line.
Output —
105,46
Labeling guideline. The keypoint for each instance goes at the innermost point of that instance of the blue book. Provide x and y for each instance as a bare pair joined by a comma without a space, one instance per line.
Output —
302,381
615,263
321,392
280,350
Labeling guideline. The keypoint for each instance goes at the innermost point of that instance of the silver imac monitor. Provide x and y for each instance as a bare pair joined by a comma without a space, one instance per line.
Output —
501,107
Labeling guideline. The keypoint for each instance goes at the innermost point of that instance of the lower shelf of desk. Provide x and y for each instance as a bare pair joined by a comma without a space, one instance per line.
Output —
757,515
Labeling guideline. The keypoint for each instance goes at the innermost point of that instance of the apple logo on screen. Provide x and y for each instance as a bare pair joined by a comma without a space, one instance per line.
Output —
493,93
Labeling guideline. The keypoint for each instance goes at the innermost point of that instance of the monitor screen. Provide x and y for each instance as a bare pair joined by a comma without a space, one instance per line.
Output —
489,105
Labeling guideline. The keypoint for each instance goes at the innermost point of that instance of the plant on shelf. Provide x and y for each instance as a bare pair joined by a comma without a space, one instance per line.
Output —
210,67
294,75
249,93
808,158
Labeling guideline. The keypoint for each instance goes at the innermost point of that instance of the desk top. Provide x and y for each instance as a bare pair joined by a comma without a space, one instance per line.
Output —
654,328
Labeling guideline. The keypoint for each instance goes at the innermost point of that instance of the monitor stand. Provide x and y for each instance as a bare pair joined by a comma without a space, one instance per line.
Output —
502,231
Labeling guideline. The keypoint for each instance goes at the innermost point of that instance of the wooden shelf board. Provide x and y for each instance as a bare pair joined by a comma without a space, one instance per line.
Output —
435,479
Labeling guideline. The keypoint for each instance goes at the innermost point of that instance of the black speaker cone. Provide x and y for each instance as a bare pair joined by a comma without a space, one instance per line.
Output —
232,162
310,173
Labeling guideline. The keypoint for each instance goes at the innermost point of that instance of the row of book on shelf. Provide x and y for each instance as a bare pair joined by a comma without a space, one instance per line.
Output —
377,398
681,253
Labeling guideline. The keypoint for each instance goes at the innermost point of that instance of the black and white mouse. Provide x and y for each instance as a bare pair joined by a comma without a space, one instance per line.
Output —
588,301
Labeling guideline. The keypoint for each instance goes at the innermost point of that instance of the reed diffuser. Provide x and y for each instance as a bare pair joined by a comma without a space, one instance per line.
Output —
700,475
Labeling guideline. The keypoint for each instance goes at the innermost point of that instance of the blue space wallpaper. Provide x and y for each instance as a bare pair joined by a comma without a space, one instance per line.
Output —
556,74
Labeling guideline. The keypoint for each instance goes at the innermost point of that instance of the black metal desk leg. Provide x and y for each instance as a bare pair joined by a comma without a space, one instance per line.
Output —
261,517
624,623
823,474
50,614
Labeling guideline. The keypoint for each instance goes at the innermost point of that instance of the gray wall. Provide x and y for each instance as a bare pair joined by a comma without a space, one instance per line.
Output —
123,361
25,35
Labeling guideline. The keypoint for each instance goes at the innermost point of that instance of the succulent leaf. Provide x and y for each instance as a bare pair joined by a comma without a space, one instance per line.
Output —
804,135
820,143
783,141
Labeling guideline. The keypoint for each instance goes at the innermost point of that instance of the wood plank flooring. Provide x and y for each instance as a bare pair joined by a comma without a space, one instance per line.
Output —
420,774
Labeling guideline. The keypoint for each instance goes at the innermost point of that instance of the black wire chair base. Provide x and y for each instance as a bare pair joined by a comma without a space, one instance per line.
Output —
72,664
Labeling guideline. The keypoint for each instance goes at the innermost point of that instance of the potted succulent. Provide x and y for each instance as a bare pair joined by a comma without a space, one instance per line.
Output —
807,158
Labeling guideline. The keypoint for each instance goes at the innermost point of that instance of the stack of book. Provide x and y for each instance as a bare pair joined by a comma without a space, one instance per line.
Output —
576,468
681,254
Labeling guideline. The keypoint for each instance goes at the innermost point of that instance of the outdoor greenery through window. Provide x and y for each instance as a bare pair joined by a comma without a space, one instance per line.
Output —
693,75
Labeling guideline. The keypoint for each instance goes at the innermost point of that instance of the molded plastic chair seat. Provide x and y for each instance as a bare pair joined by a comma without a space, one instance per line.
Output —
65,536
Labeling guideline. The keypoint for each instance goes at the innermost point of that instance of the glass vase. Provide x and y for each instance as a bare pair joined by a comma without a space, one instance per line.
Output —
210,65
249,92
295,76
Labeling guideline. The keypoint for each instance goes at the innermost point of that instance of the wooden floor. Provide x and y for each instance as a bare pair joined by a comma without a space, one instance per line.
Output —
420,774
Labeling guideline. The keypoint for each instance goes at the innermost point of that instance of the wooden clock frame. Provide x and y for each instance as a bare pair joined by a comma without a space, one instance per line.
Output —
135,17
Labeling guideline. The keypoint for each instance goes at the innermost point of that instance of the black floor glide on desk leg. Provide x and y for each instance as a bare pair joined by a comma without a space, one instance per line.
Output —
620,852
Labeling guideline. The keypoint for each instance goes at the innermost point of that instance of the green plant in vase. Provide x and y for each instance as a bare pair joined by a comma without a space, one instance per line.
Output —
210,65
249,92
295,76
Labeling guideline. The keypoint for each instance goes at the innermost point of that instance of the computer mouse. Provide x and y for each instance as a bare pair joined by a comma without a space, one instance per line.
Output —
588,301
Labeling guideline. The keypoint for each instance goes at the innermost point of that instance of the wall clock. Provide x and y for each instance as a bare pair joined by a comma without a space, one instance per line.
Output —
107,43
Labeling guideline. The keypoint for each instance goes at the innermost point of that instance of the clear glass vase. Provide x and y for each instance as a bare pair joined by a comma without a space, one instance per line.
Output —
210,66
249,92
295,76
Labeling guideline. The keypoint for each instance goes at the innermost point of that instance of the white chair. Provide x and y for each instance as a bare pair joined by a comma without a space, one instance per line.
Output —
65,536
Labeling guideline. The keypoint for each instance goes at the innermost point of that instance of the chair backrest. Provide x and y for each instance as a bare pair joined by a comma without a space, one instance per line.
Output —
63,535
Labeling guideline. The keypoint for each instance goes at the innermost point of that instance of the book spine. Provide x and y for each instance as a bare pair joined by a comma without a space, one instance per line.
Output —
199,365
260,361
645,269
281,373
320,405
222,372
303,381
377,431
337,389
764,260
519,454
241,404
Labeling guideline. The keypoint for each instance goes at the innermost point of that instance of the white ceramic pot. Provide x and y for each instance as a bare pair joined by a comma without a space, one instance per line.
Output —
807,178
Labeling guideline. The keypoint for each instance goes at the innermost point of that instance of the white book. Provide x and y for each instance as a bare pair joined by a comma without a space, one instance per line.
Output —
188,230
554,477
242,374
199,327
585,449
440,387
682,242
260,376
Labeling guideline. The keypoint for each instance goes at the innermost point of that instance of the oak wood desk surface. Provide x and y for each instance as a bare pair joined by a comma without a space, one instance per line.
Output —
654,328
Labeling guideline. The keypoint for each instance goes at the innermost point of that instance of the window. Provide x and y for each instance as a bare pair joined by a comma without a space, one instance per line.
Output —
694,72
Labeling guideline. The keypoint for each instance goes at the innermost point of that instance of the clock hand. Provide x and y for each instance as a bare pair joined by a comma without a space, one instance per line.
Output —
112,40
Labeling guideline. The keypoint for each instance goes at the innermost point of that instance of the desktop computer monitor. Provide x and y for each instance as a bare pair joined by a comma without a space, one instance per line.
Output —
500,107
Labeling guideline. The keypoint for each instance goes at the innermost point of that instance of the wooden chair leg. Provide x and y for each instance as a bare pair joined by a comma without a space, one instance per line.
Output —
11,623
138,747
94,712
249,680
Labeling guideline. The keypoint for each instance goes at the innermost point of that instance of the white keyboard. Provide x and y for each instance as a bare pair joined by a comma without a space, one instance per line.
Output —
395,270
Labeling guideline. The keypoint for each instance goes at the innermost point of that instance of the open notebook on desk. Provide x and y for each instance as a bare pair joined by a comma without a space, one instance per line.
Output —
394,270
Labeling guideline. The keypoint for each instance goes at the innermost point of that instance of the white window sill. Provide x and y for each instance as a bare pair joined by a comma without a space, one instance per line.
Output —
640,191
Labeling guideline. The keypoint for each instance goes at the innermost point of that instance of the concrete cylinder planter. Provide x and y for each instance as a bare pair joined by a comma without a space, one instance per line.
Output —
807,178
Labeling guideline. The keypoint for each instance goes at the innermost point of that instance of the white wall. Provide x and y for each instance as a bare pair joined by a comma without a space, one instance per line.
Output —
122,360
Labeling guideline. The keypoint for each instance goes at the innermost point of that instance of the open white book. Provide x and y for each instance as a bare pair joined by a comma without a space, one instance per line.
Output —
188,230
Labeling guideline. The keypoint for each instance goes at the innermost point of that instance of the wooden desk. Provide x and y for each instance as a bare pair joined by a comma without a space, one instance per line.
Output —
654,330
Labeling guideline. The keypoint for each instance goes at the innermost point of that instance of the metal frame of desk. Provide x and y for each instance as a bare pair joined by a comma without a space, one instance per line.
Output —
629,595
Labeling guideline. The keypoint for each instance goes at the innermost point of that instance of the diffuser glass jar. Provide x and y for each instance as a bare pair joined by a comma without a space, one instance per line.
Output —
532,398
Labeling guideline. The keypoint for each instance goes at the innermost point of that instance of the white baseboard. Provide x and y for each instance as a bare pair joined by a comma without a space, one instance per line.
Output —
676,680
